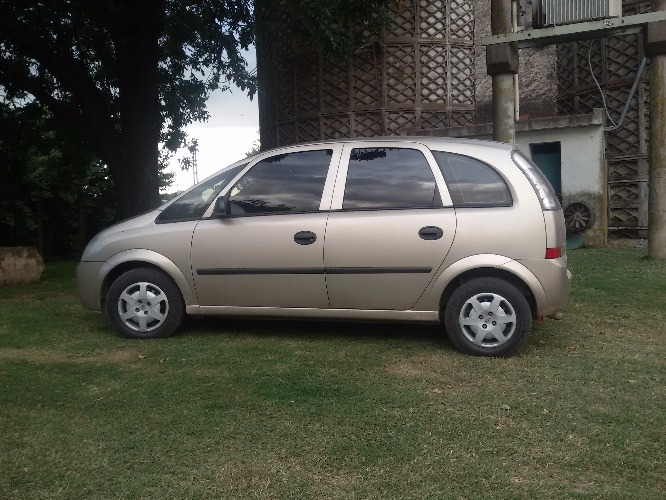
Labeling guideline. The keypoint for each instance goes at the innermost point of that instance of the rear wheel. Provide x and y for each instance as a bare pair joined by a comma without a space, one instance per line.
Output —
488,317
144,303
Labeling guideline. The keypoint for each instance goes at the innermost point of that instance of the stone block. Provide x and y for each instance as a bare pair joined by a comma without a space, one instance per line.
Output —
655,39
502,58
20,265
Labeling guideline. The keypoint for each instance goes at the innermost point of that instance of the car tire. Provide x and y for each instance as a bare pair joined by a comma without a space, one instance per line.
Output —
144,303
487,317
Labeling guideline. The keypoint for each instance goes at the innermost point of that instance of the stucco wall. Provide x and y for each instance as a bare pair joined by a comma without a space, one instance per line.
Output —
583,169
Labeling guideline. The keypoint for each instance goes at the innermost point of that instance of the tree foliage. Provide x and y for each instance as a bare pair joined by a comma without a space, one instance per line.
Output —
126,74
55,193
337,27
129,75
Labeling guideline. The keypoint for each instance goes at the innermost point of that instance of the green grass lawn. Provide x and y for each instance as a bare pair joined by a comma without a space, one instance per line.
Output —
249,409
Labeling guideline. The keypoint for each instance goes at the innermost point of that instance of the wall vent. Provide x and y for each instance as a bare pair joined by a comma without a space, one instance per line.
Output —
557,12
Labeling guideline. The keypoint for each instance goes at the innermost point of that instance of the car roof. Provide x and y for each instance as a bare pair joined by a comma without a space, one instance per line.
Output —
425,140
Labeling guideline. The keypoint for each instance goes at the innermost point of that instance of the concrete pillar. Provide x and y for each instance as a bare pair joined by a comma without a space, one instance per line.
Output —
656,49
500,17
504,108
502,63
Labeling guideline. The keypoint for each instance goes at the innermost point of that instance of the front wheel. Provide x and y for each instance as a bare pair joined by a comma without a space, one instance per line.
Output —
488,317
144,303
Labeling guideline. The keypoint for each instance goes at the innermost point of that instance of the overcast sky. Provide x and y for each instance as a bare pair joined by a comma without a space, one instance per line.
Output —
225,138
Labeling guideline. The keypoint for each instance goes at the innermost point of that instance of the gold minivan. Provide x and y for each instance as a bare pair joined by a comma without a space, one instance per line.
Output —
465,233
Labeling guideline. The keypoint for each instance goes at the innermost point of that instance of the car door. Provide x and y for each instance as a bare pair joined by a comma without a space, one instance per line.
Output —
390,228
268,251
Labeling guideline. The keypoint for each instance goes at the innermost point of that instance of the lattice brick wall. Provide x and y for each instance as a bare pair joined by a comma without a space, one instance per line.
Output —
420,73
614,61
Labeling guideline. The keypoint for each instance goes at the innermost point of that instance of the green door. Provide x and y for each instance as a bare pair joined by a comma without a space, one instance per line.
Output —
548,157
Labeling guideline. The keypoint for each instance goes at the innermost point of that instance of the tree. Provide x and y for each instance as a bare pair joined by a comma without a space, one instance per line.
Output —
128,74
337,27
54,192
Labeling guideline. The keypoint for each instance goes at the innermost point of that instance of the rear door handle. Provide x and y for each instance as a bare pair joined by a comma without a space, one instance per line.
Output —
305,237
430,233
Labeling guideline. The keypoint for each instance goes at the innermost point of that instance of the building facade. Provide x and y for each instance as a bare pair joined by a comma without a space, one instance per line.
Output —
426,72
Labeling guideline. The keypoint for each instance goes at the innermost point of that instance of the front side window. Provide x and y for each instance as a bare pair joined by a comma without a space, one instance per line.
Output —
384,178
192,205
285,183
471,182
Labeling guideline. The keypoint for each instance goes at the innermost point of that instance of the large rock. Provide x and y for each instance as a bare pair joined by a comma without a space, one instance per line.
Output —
20,265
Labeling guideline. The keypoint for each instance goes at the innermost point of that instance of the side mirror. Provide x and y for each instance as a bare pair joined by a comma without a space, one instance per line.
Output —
222,207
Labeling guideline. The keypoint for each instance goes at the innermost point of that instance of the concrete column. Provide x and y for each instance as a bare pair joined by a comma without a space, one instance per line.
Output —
500,16
504,108
502,63
656,49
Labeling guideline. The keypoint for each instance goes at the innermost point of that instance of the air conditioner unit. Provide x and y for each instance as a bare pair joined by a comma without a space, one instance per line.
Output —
557,12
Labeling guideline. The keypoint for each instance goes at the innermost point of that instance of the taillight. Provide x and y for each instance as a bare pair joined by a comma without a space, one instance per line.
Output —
541,186
554,253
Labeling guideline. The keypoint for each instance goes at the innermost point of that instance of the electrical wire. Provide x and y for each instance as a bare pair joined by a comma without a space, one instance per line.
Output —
601,92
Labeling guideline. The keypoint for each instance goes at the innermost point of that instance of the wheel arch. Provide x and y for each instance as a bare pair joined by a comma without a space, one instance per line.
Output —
133,259
491,266
488,272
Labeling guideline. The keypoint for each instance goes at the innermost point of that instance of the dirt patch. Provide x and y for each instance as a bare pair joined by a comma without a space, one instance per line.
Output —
43,356
422,366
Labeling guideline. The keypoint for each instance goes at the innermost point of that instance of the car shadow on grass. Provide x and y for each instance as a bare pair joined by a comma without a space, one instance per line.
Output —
315,330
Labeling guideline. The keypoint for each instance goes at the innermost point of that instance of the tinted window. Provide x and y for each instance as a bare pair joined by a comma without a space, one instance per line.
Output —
291,182
192,205
471,182
389,178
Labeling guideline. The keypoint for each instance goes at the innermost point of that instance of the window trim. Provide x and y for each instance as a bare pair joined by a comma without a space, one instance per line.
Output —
267,214
387,209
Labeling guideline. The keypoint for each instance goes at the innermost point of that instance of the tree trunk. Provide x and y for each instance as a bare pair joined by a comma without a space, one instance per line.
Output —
81,217
135,169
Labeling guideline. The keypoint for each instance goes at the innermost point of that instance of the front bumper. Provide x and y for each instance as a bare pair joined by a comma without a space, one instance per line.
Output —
89,284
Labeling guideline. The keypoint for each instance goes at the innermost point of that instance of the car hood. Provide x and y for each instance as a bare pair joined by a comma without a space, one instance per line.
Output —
111,232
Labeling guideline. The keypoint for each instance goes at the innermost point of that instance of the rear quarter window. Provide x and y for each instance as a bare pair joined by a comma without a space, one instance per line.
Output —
471,182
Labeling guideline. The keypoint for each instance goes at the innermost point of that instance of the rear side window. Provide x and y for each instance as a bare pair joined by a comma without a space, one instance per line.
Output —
380,178
471,182
192,205
284,183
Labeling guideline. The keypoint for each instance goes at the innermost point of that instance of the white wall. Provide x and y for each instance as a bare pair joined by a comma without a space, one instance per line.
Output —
583,159
583,169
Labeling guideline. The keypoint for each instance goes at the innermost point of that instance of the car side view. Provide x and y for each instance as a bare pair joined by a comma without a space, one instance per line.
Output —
464,233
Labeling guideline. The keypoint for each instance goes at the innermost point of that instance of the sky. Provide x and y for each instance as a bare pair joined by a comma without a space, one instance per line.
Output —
226,137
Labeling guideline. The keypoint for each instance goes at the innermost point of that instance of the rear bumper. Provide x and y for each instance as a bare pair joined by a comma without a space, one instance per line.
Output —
89,284
555,279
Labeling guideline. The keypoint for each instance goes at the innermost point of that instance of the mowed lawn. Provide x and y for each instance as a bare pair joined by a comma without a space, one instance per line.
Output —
250,409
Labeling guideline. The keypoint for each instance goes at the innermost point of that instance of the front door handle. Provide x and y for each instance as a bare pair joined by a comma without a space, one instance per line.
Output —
305,237
430,233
